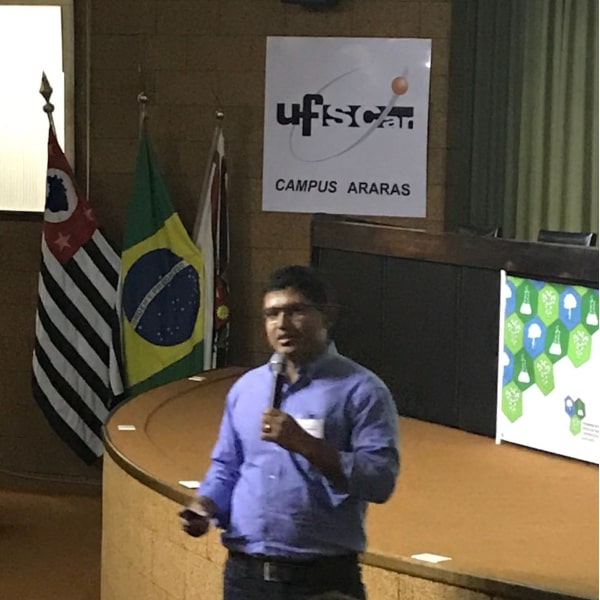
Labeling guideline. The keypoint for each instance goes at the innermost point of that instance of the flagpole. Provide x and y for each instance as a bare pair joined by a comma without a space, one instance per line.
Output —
219,116
74,382
46,91
142,101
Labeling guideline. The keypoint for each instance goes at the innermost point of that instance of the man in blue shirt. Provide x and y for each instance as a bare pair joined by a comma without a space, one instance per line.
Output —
298,457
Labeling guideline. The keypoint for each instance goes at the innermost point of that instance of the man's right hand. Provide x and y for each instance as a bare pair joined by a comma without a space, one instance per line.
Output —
195,517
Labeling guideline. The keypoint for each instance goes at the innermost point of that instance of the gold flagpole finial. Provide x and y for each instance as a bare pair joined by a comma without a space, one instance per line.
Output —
46,91
142,101
45,88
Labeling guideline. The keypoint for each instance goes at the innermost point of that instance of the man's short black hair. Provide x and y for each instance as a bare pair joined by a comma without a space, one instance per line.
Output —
306,280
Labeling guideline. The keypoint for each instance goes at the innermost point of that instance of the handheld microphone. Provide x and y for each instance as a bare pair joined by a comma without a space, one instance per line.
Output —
276,363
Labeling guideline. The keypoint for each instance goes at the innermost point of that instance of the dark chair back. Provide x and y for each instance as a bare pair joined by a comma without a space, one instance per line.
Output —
495,232
576,238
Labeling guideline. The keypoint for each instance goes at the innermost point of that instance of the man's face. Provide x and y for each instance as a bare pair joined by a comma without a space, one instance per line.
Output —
294,326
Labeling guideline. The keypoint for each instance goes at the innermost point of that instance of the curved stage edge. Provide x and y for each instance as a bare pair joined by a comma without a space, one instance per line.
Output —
518,524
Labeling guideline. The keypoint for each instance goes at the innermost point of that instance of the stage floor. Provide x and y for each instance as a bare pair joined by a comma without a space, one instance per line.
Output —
501,512
510,518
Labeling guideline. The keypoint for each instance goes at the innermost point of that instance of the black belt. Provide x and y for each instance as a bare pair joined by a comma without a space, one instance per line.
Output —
269,568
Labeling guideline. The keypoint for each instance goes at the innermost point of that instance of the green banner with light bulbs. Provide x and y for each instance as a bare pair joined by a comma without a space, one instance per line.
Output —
548,364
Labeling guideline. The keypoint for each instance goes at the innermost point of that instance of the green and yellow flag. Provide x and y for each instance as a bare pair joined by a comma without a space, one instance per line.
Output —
162,283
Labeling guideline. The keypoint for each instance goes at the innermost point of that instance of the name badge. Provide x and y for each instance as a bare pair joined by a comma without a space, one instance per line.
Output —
316,427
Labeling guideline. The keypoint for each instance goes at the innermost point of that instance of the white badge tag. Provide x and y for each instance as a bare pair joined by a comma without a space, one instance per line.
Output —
316,427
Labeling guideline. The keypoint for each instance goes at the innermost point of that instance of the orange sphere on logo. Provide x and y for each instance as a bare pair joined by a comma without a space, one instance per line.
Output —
399,85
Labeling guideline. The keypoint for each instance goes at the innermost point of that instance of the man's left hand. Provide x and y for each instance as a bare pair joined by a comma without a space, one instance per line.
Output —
283,429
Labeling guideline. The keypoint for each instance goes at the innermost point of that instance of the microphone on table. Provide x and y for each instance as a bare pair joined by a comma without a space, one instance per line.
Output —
276,363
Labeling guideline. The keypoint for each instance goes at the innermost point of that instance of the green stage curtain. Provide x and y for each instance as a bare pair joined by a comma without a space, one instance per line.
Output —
523,116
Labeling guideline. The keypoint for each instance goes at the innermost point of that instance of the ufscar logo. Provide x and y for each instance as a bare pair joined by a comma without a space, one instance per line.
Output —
314,109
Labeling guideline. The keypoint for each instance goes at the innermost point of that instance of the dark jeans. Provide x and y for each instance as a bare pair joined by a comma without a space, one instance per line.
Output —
246,578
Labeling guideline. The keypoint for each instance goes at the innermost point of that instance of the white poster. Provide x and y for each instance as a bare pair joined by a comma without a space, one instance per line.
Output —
346,125
548,369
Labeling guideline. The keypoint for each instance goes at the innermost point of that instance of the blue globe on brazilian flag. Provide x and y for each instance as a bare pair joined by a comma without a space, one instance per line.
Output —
162,278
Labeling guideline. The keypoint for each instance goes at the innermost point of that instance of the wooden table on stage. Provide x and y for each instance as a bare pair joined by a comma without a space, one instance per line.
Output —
516,523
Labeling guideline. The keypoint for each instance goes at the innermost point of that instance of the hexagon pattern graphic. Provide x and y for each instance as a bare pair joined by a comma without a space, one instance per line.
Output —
512,402
576,411
545,323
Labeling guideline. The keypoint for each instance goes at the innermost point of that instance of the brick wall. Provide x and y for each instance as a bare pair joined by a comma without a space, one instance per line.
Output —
191,57
145,554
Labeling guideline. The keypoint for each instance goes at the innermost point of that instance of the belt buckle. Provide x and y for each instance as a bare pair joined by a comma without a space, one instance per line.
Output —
276,572
267,575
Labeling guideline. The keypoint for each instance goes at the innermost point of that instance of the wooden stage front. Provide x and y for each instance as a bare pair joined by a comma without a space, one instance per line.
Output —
515,522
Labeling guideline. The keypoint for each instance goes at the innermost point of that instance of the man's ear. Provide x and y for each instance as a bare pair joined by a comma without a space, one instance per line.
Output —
331,312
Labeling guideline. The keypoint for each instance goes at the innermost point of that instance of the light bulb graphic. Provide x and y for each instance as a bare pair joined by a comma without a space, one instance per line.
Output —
570,302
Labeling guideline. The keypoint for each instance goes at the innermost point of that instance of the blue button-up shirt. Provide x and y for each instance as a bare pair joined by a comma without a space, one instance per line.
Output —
272,501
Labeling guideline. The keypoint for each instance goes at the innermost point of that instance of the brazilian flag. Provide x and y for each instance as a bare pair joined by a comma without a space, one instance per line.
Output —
162,283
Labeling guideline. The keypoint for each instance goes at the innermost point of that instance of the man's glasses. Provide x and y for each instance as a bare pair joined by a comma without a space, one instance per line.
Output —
296,311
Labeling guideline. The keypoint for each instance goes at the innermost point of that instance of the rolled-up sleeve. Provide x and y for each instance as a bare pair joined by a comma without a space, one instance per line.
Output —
372,464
